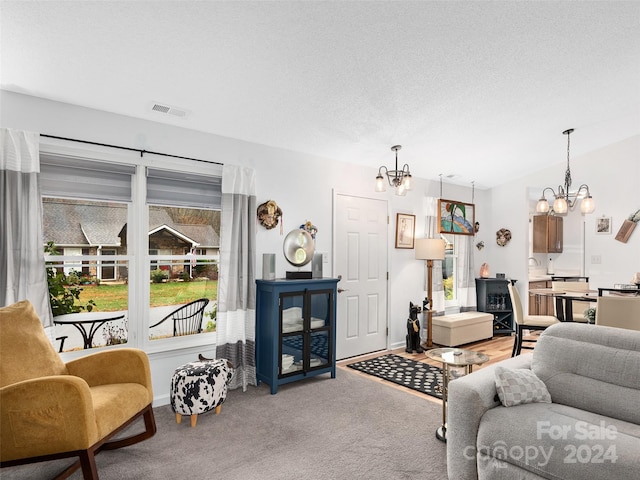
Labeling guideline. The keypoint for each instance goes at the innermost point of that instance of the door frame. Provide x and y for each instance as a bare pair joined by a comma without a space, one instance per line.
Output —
334,194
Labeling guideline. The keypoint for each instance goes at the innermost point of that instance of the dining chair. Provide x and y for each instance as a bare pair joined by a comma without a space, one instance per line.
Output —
578,307
621,312
526,322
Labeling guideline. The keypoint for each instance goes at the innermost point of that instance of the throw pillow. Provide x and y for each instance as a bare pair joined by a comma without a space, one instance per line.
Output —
520,386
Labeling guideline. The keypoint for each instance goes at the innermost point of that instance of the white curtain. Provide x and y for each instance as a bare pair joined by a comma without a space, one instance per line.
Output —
22,267
235,325
465,273
465,266
431,231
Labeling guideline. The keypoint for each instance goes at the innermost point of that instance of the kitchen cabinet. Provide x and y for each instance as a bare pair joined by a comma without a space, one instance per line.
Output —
492,296
295,330
540,304
547,234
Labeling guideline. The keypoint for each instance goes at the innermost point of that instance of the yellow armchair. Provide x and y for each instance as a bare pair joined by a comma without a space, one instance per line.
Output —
51,410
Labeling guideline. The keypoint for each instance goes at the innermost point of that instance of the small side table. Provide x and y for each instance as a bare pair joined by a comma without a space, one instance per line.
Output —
453,357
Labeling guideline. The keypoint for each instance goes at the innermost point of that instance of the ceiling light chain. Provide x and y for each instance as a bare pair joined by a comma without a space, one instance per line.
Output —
401,180
567,173
564,199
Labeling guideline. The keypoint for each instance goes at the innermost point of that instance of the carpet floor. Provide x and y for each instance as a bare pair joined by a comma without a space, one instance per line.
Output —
418,376
350,427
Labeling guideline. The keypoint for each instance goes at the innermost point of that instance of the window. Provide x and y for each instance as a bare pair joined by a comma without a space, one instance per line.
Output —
449,266
87,281
131,241
184,219
183,258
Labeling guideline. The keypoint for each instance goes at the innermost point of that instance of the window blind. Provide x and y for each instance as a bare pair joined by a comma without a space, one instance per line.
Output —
83,178
169,188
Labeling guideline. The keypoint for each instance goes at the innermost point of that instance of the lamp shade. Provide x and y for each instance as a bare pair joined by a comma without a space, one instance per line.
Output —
587,205
560,205
542,206
430,248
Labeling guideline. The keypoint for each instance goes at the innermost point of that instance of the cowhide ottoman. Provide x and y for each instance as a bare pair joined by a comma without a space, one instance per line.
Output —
199,387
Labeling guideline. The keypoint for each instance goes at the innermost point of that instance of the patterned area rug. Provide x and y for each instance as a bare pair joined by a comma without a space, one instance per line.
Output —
418,376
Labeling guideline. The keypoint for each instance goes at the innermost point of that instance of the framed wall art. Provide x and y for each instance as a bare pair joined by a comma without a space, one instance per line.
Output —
603,226
626,229
405,230
456,217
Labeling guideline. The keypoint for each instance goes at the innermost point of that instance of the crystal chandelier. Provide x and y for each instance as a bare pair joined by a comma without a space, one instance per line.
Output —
401,180
566,200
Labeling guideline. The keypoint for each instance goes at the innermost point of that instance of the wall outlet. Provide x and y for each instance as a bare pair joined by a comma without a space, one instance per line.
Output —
596,259
325,257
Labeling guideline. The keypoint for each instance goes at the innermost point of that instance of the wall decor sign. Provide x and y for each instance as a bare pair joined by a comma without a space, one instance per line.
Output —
405,230
603,226
456,217
626,229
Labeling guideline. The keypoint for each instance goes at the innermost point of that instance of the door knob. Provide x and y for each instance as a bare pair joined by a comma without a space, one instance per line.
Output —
340,290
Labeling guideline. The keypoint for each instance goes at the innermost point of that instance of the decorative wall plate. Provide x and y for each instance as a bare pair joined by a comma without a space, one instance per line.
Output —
269,214
503,236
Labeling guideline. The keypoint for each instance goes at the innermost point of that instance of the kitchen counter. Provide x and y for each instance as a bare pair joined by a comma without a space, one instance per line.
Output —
541,277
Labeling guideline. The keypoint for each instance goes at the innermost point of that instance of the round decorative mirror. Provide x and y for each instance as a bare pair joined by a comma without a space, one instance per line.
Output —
298,247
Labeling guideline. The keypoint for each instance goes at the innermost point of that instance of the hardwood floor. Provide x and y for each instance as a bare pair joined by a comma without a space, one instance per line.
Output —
497,349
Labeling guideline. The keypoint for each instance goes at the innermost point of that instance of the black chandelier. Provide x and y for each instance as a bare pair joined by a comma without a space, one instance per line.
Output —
401,180
566,200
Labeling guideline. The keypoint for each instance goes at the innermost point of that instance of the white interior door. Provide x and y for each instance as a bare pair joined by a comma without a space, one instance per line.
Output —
361,263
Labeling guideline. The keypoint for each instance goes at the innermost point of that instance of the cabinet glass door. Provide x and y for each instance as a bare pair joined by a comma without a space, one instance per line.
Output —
292,306
320,311
305,326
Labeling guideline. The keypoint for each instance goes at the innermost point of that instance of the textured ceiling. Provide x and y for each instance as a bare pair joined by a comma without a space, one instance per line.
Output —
479,90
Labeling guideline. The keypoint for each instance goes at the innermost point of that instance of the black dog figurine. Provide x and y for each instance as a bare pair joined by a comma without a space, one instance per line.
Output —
413,330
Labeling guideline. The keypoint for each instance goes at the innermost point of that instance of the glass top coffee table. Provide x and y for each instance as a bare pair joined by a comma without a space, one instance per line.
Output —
456,362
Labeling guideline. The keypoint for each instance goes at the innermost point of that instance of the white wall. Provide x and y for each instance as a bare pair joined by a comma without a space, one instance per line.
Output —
303,186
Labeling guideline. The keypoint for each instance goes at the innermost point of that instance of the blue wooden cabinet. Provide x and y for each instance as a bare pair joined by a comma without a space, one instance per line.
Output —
295,330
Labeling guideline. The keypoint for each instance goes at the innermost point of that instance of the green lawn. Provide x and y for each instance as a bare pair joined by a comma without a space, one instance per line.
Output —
114,297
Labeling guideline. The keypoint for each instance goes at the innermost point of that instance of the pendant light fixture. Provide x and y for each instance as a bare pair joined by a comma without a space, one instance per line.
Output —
566,200
401,180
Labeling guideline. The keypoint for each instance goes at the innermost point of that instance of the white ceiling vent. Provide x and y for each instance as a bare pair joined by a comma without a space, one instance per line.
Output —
169,110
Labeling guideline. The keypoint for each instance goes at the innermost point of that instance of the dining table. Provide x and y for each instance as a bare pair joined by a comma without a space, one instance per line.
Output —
87,323
564,300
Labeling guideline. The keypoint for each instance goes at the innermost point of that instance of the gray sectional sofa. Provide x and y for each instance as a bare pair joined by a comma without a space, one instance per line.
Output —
590,430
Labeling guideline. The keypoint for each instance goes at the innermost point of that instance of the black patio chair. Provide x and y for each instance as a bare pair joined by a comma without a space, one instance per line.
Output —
187,319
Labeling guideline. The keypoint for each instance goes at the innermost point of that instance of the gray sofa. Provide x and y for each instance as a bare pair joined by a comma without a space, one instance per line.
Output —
590,430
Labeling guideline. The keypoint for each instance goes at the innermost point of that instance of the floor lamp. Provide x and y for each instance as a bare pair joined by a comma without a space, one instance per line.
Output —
429,249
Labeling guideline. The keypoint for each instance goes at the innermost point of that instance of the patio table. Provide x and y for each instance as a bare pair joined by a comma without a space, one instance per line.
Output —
91,320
